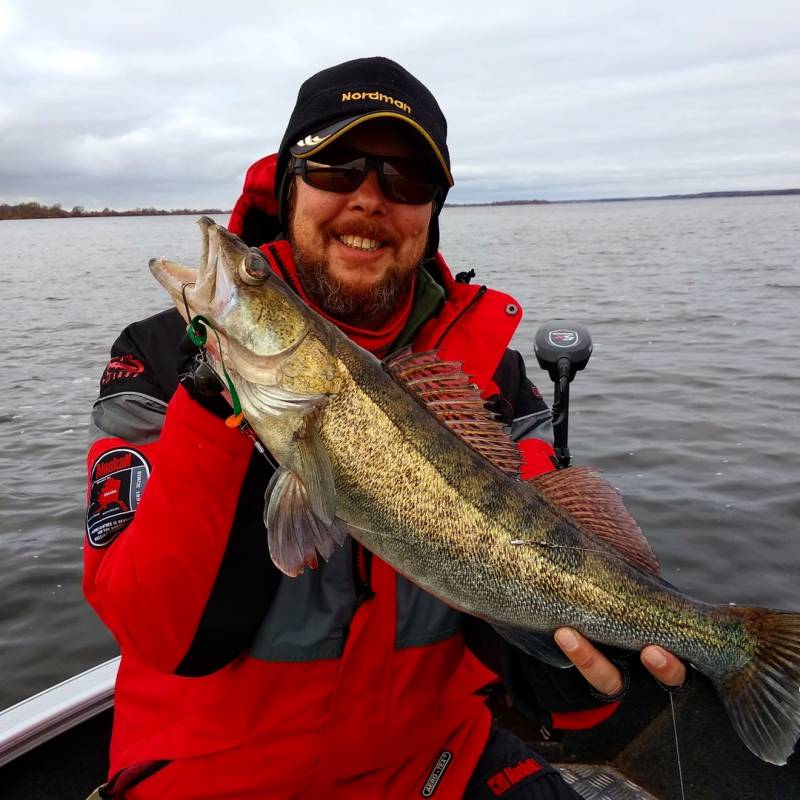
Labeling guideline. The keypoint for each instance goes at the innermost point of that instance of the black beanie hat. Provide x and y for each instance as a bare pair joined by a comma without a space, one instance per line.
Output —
337,99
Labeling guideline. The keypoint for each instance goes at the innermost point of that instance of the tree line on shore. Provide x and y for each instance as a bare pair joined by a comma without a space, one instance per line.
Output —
499,203
34,210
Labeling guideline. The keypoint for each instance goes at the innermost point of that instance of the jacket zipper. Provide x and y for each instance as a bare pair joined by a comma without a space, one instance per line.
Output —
480,293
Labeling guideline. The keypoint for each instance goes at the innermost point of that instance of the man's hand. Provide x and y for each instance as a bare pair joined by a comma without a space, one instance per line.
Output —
604,676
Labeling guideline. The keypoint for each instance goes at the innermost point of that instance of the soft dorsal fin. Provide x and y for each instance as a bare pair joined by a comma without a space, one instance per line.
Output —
596,506
455,401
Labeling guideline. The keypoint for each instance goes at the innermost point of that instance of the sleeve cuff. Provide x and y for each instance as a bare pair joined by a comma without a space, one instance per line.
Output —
185,416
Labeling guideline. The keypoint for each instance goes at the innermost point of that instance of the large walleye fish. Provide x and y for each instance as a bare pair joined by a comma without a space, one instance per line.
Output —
403,456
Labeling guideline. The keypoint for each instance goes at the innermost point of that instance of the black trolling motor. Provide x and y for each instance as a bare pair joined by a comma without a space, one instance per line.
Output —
562,348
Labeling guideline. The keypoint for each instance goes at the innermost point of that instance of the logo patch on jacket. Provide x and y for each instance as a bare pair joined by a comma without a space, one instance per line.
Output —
124,366
502,781
436,773
118,480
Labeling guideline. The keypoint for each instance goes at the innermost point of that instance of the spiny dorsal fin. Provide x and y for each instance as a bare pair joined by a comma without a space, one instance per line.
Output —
455,401
596,506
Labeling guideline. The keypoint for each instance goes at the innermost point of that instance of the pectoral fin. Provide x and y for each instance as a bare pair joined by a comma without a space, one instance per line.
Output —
539,645
295,533
312,463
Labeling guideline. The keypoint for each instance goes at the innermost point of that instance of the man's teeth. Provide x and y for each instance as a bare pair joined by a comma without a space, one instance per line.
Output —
359,243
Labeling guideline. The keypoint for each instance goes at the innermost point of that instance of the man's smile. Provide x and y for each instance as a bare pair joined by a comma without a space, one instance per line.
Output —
359,242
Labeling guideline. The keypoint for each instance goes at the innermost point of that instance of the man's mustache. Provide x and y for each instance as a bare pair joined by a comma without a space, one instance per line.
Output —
364,229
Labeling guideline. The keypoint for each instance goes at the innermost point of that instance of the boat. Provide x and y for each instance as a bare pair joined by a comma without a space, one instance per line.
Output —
54,746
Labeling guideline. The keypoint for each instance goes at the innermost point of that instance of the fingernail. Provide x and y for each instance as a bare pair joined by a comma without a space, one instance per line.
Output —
567,640
656,659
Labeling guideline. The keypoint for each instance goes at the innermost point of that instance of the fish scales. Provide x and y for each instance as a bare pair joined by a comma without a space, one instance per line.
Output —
384,445
425,468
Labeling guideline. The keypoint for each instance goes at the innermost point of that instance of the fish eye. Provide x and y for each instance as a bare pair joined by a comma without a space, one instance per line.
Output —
253,268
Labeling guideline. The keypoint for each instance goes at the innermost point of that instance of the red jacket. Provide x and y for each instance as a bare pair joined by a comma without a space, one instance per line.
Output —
334,694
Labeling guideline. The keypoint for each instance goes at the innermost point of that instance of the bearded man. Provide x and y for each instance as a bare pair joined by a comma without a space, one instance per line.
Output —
347,681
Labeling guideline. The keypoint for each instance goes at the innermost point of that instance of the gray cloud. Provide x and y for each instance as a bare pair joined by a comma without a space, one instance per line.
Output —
168,103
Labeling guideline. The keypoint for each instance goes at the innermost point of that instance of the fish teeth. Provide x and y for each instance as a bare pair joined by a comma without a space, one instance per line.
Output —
359,242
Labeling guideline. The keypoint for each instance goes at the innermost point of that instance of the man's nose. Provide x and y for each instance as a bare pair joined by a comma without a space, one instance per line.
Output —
368,197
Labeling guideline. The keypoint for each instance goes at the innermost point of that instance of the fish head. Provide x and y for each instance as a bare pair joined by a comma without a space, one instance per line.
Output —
278,352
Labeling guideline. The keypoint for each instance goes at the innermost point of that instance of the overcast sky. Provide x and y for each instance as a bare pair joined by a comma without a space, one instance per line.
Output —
167,103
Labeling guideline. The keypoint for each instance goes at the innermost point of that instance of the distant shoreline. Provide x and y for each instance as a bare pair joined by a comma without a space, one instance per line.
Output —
697,196
39,211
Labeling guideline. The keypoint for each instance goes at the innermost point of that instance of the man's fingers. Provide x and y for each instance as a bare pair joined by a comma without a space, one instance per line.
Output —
591,663
663,666
604,676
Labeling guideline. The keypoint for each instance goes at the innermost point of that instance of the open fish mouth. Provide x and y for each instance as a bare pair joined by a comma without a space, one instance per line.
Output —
209,288
257,320
255,325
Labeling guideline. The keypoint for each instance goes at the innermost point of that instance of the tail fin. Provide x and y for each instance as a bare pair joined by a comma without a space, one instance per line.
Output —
763,697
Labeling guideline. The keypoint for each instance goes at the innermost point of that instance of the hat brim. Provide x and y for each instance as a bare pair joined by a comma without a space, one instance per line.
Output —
313,143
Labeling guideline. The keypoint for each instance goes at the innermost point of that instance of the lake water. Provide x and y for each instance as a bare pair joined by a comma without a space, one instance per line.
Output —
689,403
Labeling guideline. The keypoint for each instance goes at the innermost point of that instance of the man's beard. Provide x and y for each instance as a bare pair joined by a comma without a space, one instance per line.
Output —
354,305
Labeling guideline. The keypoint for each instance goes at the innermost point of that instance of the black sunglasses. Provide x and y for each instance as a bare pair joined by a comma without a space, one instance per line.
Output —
402,180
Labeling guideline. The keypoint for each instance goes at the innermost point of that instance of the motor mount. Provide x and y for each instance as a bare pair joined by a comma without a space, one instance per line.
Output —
563,348
560,344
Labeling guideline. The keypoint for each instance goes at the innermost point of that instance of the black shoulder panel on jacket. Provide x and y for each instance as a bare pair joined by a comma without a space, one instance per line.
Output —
144,357
244,586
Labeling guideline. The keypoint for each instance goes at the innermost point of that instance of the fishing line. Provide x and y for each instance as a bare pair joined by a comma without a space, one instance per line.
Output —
248,431
184,287
677,748
553,546
671,702
197,333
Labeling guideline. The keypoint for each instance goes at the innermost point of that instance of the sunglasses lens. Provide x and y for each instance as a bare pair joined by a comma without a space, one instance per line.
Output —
407,181
339,178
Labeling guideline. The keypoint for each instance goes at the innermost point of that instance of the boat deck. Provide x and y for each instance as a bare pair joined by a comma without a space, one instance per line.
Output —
68,767
630,757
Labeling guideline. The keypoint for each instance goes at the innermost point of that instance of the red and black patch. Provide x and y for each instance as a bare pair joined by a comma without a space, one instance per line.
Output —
118,480
506,778
124,366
